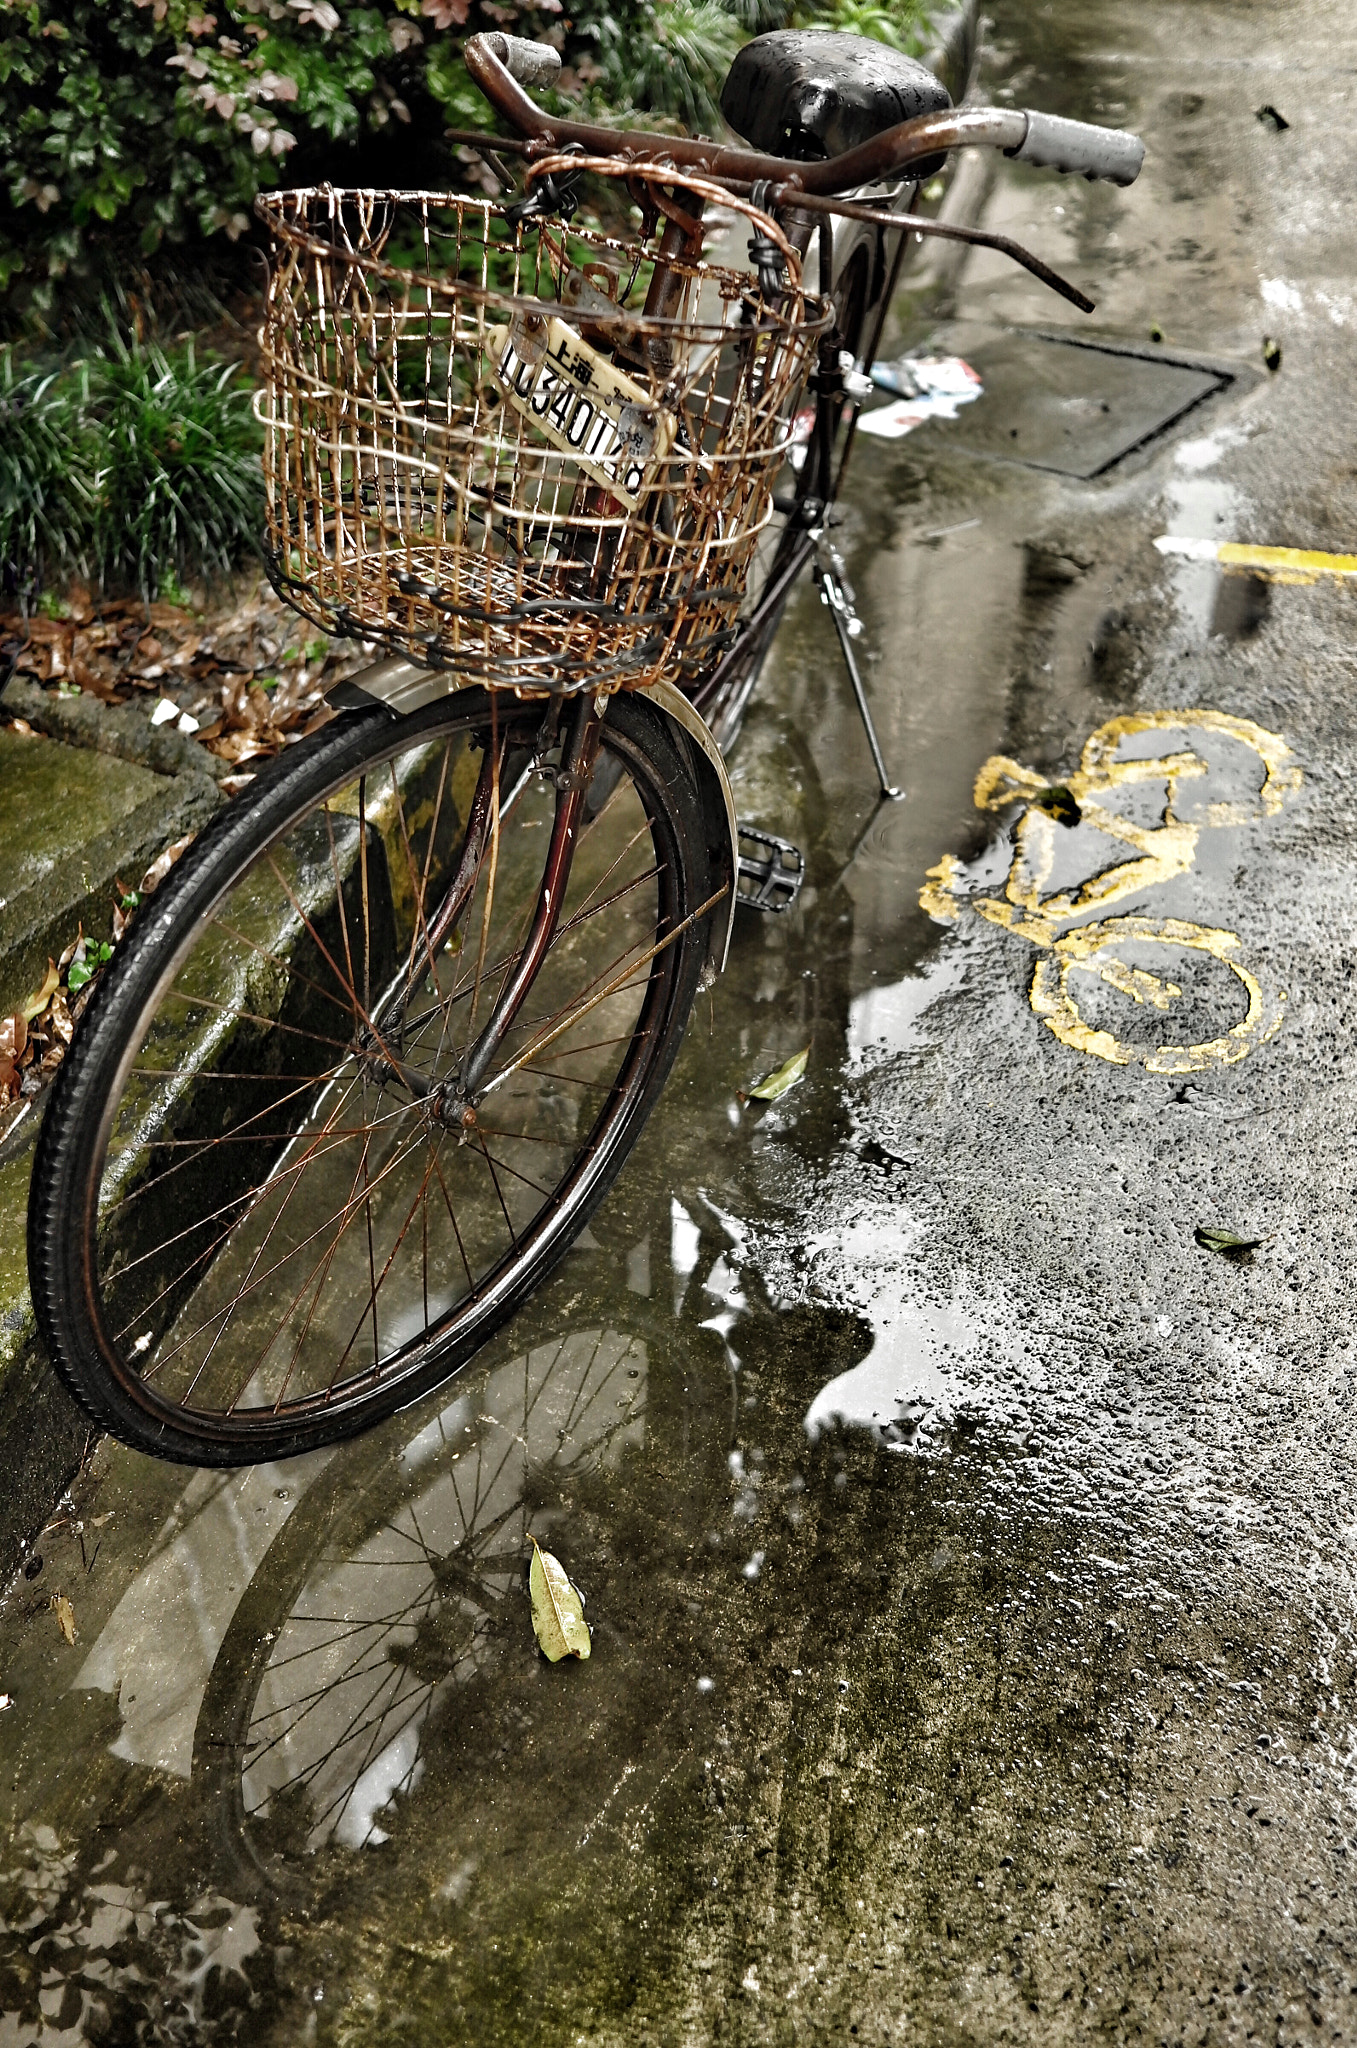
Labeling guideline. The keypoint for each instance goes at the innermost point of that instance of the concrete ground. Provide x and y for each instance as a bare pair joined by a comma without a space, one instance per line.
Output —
969,1549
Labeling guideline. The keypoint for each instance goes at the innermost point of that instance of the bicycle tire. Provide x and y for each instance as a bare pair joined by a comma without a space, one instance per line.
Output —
122,1262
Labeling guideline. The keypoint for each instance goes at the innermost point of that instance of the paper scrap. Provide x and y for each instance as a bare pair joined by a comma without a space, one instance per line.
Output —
928,388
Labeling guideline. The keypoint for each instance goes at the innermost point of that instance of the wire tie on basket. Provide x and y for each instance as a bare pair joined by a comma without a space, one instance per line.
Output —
764,253
547,197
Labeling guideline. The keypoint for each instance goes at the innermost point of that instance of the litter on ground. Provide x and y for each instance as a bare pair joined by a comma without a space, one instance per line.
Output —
925,388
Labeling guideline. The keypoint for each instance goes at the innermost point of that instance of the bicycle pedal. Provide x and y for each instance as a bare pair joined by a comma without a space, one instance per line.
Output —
771,870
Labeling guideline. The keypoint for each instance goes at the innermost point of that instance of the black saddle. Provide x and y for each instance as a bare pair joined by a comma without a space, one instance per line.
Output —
812,93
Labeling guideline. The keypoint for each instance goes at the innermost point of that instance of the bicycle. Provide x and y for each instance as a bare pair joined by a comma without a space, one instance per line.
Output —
376,1049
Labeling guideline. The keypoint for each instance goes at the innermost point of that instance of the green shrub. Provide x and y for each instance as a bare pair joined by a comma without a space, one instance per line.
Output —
131,127
131,466
42,516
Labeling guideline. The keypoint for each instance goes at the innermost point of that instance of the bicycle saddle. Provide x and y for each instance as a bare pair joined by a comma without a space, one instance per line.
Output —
813,93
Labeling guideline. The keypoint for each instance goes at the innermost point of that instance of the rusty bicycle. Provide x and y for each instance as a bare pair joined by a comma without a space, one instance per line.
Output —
375,1050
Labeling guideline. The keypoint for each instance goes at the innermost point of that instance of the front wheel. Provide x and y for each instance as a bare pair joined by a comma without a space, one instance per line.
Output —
266,1211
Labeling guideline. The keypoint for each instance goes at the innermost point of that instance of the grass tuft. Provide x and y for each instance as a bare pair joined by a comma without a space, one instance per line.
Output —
131,466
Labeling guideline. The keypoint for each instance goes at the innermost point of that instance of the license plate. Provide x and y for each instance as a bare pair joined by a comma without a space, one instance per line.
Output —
582,404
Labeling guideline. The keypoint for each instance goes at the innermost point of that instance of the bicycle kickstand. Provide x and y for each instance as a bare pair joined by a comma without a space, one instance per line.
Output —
836,592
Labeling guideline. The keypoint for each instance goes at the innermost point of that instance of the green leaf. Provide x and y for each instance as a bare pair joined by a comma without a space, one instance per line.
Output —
557,1608
1225,1242
1059,802
784,1077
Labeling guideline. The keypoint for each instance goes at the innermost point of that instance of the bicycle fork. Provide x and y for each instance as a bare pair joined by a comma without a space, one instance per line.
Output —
579,748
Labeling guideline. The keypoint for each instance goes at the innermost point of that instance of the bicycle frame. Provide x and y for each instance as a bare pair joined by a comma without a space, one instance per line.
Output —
809,196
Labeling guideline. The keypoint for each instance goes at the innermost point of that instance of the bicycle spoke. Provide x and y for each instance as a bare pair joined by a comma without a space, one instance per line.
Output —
284,1249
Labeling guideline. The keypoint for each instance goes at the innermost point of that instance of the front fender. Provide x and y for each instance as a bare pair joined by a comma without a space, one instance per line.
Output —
718,804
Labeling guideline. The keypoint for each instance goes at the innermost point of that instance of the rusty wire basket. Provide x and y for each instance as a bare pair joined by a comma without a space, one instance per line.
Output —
483,455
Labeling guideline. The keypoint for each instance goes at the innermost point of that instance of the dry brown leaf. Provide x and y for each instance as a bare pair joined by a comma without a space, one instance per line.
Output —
239,746
161,865
65,1615
93,680
13,1036
40,998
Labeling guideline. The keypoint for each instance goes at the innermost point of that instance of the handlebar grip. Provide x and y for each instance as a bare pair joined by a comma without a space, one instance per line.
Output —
530,63
1060,145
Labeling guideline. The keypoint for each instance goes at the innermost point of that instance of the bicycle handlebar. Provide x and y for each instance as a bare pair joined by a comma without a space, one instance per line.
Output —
1060,145
526,62
502,65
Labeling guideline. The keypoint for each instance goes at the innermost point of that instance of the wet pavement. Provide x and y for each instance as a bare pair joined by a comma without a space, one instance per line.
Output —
969,1552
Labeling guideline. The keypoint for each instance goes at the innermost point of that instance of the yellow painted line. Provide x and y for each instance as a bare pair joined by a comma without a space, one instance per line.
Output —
1278,565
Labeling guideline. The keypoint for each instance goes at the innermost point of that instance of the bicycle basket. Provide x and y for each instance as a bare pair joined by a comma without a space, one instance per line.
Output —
479,454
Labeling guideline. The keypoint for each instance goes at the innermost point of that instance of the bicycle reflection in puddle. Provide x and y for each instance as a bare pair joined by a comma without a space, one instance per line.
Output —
388,1585
1112,784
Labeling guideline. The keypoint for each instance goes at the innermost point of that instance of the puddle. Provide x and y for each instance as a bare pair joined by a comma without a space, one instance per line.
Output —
884,1021
1075,408
952,1528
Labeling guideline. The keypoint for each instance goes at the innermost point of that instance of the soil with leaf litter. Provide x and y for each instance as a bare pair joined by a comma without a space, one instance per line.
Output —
244,676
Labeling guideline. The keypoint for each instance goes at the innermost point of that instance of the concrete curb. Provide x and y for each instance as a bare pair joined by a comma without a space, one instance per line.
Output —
171,789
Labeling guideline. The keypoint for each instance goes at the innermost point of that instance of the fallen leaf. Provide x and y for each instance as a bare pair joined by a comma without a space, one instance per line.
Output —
784,1077
1059,802
13,1036
557,1608
30,1008
1270,118
239,746
161,865
1225,1242
65,1615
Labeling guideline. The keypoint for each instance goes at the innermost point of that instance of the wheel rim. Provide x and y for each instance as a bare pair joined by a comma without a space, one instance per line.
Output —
294,1213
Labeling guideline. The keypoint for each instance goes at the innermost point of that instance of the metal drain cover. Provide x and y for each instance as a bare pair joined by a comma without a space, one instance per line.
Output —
1074,407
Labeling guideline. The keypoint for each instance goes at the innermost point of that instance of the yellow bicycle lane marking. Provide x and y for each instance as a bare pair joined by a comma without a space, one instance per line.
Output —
1275,565
1158,852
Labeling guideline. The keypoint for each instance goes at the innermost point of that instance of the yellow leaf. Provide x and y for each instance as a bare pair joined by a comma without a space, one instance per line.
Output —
784,1077
65,1614
557,1608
